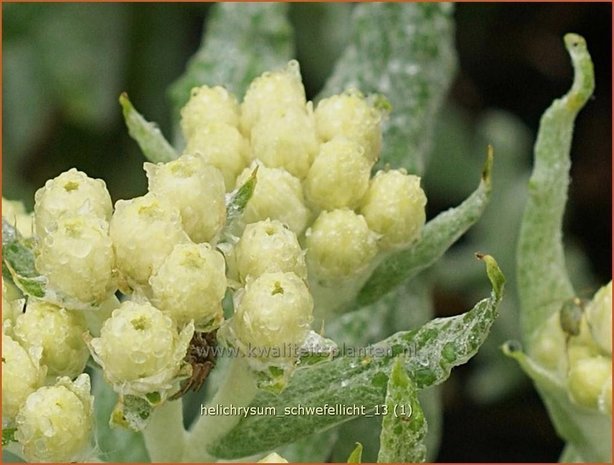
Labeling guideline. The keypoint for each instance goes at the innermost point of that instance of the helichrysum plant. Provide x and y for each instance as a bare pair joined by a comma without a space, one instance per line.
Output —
276,233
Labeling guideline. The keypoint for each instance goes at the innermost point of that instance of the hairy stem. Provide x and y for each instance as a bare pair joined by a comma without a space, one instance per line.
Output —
165,435
237,390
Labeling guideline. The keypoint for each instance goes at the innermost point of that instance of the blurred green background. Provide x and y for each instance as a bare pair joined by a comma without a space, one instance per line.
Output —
64,66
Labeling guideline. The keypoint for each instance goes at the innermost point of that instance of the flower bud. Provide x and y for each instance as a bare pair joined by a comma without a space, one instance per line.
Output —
222,146
339,176
140,349
22,374
394,207
56,422
270,91
279,196
340,244
59,332
350,115
144,231
77,258
208,105
268,247
190,285
15,213
71,192
195,189
286,138
599,317
587,378
273,457
274,311
549,347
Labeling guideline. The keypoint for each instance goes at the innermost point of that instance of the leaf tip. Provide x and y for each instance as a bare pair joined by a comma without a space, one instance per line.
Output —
495,275
584,75
487,168
356,455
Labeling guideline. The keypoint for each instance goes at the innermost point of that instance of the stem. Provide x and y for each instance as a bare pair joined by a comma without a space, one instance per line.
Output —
237,390
165,436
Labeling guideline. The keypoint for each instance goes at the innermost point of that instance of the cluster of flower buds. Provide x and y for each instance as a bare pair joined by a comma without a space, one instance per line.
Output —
576,347
314,173
314,216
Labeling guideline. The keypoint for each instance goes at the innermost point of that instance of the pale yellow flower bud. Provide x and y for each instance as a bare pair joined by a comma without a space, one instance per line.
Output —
270,91
549,348
339,176
275,310
599,317
267,247
208,105
77,258
59,332
144,231
587,377
286,138
140,349
273,457
56,422
71,192
15,213
350,115
190,285
222,146
394,207
340,244
279,196
22,374
196,189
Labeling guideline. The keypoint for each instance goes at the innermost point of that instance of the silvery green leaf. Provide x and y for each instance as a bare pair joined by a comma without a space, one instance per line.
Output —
242,40
149,137
18,262
543,281
404,425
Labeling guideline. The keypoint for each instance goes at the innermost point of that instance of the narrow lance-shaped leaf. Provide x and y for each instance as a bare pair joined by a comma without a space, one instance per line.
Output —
359,383
356,455
18,262
242,41
148,135
543,282
437,236
236,201
405,52
404,425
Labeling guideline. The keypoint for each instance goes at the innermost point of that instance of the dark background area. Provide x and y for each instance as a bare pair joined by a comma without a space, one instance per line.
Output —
511,57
